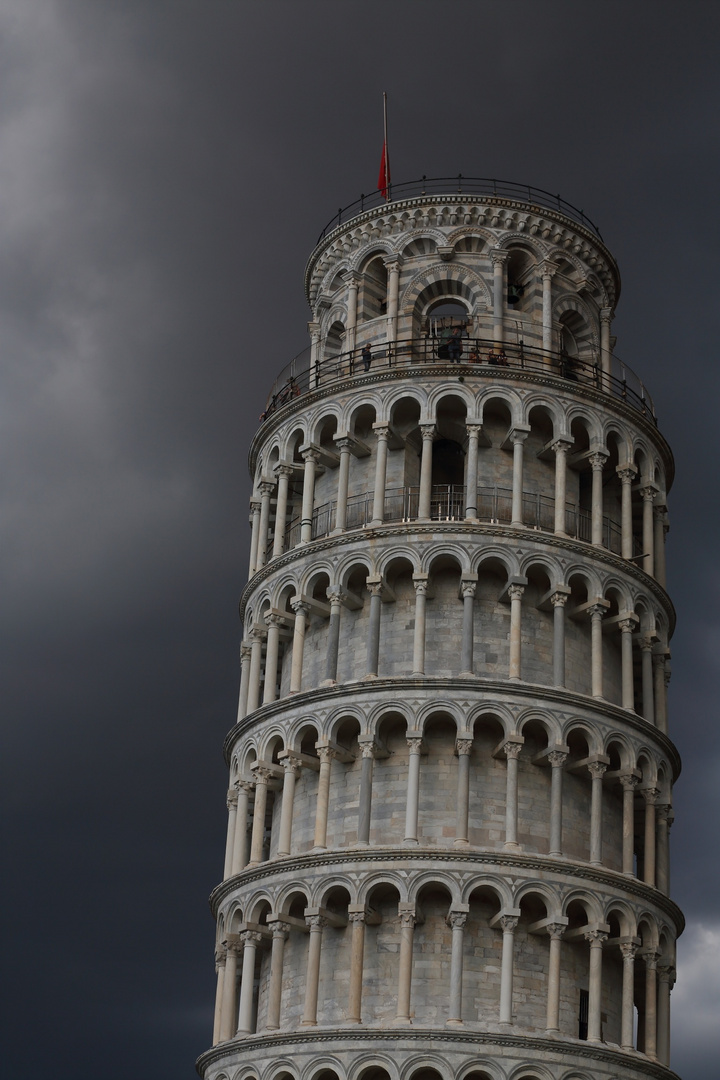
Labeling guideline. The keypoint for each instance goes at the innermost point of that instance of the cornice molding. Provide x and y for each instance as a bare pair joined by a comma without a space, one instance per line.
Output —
457,686
424,858
535,1048
515,535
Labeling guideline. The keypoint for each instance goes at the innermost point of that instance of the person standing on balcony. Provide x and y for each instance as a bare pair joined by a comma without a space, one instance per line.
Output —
455,346
366,357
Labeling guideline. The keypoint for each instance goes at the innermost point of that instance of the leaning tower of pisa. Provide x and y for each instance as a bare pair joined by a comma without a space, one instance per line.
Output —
450,775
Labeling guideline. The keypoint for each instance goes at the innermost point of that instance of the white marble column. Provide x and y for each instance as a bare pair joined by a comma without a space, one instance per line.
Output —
626,473
647,494
240,853
557,759
291,771
283,473
356,918
407,926
336,596
662,869
518,439
456,920
220,958
353,282
596,939
597,770
650,796
344,446
515,592
646,643
302,612
499,258
393,264
467,591
274,624
628,783
262,779
597,463
311,458
316,924
279,937
548,272
228,1015
559,599
382,431
256,635
267,487
628,691
628,950
251,939
367,750
326,755
658,664
560,448
471,472
314,329
661,528
666,979
420,581
232,804
512,753
596,612
606,315
413,791
428,434
508,924
555,931
254,535
374,587
651,958
464,749
245,657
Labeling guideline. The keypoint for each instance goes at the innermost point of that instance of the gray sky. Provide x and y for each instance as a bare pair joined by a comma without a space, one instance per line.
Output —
165,169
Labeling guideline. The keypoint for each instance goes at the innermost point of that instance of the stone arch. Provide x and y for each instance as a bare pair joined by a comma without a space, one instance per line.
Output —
372,1065
444,279
436,707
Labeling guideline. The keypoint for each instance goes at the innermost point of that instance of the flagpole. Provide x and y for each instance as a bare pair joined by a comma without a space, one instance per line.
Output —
387,154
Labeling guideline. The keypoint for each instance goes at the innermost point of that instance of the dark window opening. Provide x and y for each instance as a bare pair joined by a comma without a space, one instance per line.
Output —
583,1014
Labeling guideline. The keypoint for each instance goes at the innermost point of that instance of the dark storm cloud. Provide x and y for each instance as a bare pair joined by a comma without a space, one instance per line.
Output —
165,169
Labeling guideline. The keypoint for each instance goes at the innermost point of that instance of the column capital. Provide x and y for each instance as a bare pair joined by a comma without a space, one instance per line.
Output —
267,487
596,937
233,944
367,748
628,949
351,279
283,468
326,753
559,599
627,625
428,431
663,811
548,269
468,587
250,937
464,747
561,446
508,923
597,769
336,595
515,592
300,607
512,749
393,261
407,918
597,460
262,774
606,315
421,583
650,794
499,256
290,763
280,930
648,492
232,798
374,587
557,758
626,473
310,453
315,922
245,652
456,919
257,632
556,930
629,782
273,619
414,744
473,428
220,956
355,917
518,435
666,973
381,428
651,957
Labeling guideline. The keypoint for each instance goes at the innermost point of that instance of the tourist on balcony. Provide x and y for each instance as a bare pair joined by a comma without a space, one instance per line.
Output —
455,346
366,357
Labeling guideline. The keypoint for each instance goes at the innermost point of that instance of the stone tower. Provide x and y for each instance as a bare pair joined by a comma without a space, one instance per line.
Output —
451,776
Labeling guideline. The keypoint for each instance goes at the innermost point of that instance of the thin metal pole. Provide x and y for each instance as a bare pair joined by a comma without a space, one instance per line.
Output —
387,153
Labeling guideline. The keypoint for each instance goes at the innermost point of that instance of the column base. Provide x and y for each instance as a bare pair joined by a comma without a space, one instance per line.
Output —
454,1023
461,844
466,675
409,842
329,682
370,675
510,845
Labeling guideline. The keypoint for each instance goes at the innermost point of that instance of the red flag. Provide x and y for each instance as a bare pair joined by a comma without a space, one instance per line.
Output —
384,175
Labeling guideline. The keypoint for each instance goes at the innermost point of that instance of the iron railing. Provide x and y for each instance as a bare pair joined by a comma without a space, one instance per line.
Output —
480,358
447,503
454,186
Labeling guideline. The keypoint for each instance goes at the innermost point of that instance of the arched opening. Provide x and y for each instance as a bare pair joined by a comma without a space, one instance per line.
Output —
372,301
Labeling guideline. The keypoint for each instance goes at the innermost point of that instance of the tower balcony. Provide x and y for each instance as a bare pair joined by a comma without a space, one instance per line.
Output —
470,359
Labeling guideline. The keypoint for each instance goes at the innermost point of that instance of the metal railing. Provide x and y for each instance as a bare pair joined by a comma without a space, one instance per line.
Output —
447,503
479,358
454,186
